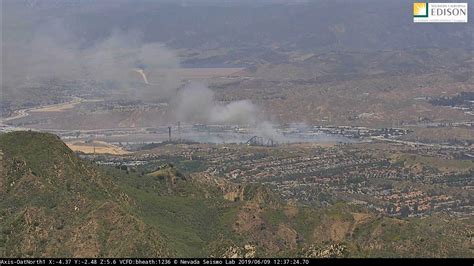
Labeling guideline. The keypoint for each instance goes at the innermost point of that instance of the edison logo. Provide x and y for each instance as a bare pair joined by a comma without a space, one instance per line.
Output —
420,10
440,12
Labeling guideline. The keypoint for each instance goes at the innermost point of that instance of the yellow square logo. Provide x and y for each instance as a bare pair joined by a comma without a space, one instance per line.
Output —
420,9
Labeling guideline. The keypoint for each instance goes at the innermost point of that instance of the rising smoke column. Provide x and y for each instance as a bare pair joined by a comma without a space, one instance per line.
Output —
53,53
196,103
112,58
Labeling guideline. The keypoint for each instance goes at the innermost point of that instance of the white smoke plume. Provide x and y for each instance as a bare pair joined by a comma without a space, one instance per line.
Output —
196,103
115,58
267,130
126,66
52,54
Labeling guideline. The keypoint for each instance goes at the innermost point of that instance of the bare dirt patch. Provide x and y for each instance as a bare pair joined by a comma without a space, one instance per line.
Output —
98,147
360,217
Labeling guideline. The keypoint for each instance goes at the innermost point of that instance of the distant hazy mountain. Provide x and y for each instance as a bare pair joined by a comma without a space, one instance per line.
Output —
238,24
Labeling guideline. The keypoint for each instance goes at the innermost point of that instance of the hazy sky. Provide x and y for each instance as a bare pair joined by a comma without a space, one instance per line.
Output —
80,37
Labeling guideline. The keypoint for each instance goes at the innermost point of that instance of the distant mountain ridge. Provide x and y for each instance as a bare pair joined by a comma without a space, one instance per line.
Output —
305,25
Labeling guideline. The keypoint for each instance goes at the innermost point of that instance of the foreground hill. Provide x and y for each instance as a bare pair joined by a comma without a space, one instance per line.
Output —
54,204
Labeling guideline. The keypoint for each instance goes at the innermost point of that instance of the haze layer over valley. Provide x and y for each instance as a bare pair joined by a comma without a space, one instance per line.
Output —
236,128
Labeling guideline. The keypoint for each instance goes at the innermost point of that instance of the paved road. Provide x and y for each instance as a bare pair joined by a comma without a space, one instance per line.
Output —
381,138
26,112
